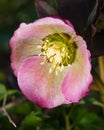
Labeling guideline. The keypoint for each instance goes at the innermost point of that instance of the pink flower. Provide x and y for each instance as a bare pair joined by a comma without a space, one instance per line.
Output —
51,62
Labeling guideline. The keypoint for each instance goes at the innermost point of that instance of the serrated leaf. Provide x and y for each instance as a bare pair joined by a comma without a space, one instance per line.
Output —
31,121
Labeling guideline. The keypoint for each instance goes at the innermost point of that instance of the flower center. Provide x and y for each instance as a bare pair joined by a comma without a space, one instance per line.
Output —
59,49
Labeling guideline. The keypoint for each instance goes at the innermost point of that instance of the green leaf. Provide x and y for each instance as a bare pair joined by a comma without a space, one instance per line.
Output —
31,122
87,120
19,109
3,91
2,76
12,92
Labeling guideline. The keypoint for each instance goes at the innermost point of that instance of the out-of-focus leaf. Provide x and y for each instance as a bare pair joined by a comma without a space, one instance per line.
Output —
97,103
31,122
19,109
81,13
92,14
3,91
12,92
44,9
2,76
52,125
4,41
86,120
77,11
100,22
97,45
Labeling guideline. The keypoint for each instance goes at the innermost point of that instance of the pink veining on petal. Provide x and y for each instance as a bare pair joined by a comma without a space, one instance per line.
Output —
78,78
38,85
28,36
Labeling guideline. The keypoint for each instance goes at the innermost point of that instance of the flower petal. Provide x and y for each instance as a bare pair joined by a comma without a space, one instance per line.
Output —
77,80
28,37
38,85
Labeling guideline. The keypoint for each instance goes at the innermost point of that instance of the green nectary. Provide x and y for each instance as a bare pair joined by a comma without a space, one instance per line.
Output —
59,49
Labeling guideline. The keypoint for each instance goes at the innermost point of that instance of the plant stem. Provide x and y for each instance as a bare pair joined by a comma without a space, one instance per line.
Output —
101,67
67,122
99,84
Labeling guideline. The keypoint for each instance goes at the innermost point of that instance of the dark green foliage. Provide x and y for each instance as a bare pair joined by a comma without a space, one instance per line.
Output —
32,121
87,120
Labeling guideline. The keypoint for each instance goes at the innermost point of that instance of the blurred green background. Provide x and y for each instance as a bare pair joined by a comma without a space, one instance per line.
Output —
88,114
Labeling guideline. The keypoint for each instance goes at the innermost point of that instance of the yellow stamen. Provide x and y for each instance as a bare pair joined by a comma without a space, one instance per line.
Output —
58,49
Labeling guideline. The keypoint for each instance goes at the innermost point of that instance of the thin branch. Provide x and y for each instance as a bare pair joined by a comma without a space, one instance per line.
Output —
8,106
5,112
13,104
9,118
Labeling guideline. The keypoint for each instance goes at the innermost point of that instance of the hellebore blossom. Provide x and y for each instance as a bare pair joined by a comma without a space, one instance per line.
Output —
51,62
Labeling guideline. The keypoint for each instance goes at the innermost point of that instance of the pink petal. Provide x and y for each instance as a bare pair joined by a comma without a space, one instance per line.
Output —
77,80
22,49
38,85
28,37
